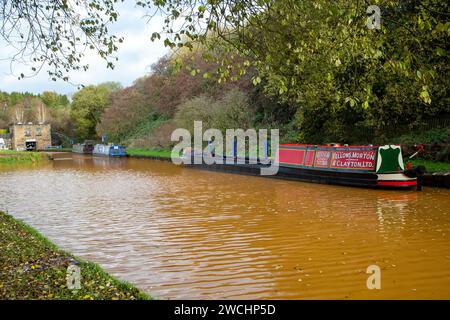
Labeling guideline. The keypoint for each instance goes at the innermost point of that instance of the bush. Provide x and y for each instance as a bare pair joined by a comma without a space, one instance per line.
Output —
433,136
232,111
158,138
61,121
435,141
444,154
196,109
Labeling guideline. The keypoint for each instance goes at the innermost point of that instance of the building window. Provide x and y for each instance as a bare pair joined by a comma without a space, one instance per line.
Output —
28,133
38,131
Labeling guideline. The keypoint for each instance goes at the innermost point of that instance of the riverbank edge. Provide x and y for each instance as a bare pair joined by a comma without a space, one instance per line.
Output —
20,157
159,158
33,267
436,180
432,179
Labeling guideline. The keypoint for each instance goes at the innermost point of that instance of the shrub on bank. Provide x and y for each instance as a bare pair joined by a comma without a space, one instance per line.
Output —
436,142
231,111
157,137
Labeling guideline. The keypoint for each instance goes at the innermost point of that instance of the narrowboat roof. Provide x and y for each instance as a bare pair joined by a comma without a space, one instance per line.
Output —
330,145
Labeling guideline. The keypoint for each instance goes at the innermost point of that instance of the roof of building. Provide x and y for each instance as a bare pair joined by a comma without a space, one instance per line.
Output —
29,124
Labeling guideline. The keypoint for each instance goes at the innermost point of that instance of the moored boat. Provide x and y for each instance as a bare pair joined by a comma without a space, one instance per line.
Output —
86,147
366,166
109,150
361,166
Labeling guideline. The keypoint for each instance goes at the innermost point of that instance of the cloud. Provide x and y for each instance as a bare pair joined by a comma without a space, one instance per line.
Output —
136,54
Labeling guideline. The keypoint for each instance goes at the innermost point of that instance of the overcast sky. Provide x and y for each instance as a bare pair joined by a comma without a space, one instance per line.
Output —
136,54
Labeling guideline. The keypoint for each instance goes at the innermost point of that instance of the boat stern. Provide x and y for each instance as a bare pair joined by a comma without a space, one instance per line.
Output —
390,169
117,151
396,180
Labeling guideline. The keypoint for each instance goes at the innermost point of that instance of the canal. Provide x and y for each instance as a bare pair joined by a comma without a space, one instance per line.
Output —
184,233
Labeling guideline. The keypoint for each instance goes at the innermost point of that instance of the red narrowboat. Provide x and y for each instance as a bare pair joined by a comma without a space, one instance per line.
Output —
359,166
365,166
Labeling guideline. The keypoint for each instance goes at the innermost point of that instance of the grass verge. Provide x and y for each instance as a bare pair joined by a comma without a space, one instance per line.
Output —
432,166
32,267
148,153
18,157
54,149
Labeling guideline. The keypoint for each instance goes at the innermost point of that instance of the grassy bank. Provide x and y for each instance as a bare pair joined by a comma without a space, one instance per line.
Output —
54,149
31,267
17,157
432,166
148,153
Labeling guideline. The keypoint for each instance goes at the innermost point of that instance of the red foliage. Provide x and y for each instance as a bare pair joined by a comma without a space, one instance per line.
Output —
128,107
163,91
168,90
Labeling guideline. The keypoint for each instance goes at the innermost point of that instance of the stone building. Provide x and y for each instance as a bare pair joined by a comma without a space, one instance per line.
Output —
29,136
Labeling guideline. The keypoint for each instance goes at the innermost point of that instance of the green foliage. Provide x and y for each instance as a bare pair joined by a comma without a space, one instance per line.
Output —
53,33
444,154
433,136
231,111
87,107
196,109
432,166
61,122
152,134
54,100
436,143
320,56
51,99
311,68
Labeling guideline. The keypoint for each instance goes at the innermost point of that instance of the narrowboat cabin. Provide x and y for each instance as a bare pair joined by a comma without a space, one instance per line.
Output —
85,148
109,150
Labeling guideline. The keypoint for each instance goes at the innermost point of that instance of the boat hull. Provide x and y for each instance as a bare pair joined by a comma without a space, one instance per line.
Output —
109,151
109,155
83,148
344,178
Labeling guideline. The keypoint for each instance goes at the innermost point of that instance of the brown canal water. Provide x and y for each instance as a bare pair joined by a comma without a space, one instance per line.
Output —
185,233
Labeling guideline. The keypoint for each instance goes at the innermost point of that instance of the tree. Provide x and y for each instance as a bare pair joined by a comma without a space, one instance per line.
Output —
87,107
56,33
232,111
321,56
50,98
